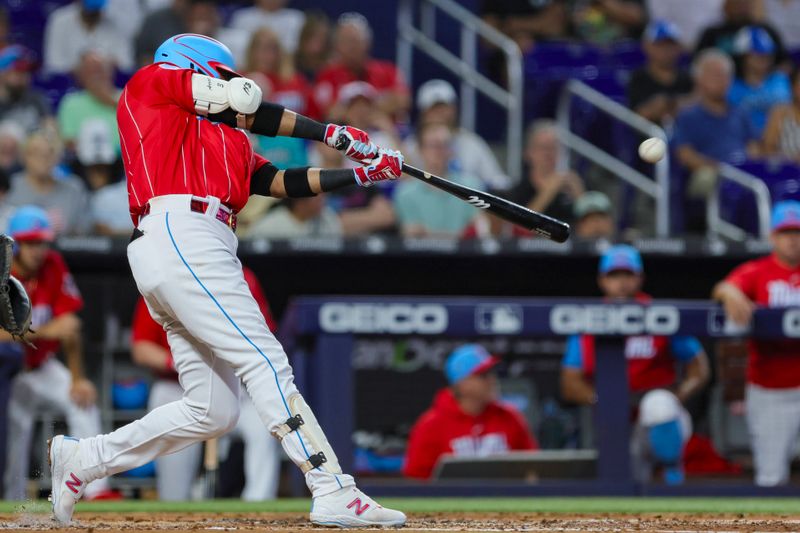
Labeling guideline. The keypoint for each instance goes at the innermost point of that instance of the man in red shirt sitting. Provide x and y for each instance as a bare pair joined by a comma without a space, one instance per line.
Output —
352,62
466,419
772,397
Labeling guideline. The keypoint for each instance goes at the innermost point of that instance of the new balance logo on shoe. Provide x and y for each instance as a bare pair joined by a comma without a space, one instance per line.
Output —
359,508
74,483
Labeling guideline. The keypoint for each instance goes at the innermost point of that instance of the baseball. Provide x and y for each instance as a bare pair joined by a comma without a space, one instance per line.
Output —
652,150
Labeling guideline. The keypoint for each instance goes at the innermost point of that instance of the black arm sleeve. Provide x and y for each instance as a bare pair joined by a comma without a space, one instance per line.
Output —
330,180
295,180
267,119
296,183
306,128
261,180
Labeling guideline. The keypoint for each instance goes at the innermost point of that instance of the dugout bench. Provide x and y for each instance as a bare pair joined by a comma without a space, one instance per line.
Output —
319,333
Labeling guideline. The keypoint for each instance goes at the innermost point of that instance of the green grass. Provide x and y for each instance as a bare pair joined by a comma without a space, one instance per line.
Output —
782,506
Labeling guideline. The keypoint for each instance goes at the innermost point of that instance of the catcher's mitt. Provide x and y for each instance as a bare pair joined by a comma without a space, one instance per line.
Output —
15,306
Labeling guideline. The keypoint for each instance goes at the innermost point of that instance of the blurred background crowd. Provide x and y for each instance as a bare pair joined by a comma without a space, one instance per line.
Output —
718,75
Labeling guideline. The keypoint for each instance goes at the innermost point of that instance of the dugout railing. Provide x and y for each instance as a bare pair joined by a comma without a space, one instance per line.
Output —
320,332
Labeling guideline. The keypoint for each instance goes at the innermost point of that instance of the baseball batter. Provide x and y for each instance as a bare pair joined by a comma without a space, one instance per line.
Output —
45,381
190,168
176,471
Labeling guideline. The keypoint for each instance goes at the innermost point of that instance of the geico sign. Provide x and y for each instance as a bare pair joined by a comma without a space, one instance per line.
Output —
791,323
614,320
375,318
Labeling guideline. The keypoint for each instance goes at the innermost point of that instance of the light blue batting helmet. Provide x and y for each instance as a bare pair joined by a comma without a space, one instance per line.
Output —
199,53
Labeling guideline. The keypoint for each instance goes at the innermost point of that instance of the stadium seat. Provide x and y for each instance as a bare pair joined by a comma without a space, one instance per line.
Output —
55,86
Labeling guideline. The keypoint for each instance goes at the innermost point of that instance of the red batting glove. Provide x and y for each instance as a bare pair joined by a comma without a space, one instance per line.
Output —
387,166
353,142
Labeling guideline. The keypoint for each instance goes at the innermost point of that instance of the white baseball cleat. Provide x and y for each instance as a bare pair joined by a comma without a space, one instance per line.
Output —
68,478
349,508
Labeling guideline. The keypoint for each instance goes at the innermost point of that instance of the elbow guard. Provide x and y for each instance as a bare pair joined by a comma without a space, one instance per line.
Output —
212,95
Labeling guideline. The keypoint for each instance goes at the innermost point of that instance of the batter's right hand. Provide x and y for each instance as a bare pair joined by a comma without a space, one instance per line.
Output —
738,307
387,166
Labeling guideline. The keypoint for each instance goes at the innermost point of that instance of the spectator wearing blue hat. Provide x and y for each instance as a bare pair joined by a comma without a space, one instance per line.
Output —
466,419
772,396
20,103
663,425
656,90
738,14
759,86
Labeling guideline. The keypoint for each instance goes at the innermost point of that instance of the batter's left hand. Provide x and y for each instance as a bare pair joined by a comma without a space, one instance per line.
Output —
352,142
83,392
387,166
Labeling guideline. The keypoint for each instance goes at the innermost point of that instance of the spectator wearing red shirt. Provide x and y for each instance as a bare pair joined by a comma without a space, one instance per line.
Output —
269,65
45,381
466,419
773,369
272,68
176,472
663,426
352,62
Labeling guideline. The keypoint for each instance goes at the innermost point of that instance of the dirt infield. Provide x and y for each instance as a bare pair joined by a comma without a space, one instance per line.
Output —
194,522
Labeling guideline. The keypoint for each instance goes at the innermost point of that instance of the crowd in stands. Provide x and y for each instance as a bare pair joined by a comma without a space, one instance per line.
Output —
718,75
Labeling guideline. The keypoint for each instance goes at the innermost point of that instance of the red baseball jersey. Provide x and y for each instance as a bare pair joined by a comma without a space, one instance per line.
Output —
382,75
774,364
445,428
144,328
168,149
52,293
651,359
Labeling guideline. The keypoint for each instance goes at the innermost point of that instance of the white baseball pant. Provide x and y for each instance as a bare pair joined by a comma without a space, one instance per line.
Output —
176,472
773,421
186,268
48,387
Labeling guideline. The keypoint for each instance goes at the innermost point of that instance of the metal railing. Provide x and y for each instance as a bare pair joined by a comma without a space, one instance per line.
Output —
718,226
465,65
658,189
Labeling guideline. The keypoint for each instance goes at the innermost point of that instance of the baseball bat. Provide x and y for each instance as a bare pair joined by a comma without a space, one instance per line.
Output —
544,225
553,229
211,465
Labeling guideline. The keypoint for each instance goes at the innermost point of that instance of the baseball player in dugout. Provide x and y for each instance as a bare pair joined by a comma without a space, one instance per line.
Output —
176,472
45,381
663,426
466,418
190,168
772,396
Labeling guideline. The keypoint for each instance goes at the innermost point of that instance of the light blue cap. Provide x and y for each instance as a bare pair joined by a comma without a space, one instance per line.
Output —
621,257
466,361
786,215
